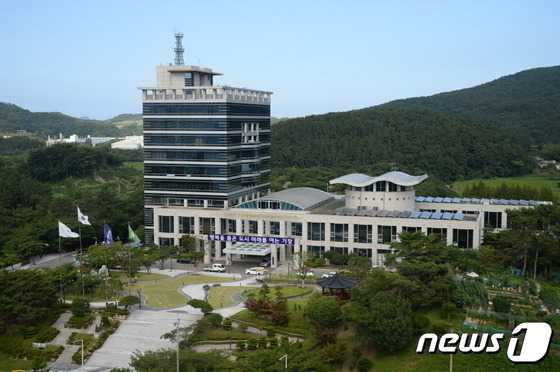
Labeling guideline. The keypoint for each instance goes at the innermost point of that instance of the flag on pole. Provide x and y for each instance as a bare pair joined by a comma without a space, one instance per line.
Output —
108,234
132,236
65,232
83,218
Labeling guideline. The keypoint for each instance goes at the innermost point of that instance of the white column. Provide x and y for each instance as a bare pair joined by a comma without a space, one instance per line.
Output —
274,255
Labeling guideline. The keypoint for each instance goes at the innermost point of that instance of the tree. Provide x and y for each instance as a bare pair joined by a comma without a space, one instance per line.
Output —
424,261
80,307
204,306
25,297
298,263
164,360
386,320
325,311
127,301
189,243
161,253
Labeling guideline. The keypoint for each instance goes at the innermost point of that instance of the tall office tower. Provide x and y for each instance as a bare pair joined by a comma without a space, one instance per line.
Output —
205,146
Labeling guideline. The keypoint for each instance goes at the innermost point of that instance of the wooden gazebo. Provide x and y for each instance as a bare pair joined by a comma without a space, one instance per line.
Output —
336,285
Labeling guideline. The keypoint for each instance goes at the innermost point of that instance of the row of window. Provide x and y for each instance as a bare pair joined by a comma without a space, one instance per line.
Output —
207,155
315,230
205,109
204,124
381,186
231,139
218,186
202,170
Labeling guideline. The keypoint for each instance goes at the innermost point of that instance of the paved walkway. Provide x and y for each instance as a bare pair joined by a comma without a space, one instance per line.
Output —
64,361
143,329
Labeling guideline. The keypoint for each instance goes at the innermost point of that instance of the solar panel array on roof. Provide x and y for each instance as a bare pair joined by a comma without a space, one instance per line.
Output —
403,214
430,199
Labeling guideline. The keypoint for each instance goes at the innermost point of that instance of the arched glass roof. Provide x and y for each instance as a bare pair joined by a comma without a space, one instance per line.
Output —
297,198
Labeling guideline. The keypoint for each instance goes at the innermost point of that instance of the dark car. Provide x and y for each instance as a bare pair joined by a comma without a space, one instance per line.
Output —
185,260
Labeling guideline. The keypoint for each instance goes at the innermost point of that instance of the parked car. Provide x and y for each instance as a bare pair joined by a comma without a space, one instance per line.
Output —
265,262
329,274
185,260
255,271
308,273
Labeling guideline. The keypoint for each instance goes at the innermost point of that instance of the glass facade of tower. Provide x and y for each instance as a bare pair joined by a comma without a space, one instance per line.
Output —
204,147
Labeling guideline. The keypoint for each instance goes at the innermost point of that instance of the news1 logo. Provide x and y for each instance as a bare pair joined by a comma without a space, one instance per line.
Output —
535,344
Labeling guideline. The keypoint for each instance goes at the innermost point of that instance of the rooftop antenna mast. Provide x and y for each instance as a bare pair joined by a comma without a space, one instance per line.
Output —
179,49
393,167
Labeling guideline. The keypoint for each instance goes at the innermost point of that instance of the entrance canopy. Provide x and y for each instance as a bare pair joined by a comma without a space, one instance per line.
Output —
255,249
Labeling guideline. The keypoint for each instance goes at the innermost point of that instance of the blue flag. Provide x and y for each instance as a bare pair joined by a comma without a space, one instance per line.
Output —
108,235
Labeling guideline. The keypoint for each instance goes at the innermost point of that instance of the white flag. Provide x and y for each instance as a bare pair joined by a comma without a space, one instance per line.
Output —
83,218
65,232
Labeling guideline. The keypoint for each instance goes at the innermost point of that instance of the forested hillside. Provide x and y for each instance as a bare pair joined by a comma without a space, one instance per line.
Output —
527,102
14,118
417,140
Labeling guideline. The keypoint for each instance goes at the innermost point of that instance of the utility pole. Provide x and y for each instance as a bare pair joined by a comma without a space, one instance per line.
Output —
177,335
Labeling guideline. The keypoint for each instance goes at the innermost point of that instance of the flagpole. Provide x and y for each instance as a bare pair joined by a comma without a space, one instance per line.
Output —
60,262
81,263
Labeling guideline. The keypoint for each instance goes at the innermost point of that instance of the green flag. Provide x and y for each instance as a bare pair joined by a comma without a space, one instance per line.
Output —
132,236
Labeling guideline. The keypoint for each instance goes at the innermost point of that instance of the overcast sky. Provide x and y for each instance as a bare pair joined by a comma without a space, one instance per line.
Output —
87,58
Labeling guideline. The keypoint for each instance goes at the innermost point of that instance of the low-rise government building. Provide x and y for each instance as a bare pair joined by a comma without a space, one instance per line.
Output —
365,221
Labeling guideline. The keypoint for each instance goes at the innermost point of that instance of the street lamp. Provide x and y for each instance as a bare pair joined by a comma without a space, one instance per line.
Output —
285,357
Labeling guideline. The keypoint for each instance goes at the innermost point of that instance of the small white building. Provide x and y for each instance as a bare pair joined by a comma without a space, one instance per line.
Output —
365,221
129,143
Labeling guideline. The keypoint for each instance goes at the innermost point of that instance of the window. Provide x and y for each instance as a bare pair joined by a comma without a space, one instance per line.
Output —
316,250
228,226
316,230
411,229
207,226
296,229
166,224
273,227
493,219
341,250
250,227
381,255
186,225
386,234
363,252
166,241
363,234
463,238
437,230
339,232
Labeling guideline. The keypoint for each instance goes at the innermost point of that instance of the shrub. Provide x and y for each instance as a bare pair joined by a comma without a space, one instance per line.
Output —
242,327
501,304
439,328
420,323
240,345
252,344
364,364
214,319
30,332
80,307
227,324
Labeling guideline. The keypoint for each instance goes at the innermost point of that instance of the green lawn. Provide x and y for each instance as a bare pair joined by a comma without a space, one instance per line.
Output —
166,294
141,277
221,296
287,291
535,181
8,364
